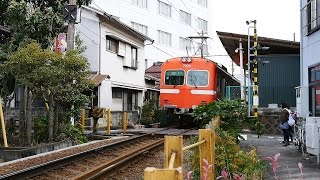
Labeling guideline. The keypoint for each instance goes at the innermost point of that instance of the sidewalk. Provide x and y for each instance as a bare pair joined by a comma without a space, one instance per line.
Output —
290,156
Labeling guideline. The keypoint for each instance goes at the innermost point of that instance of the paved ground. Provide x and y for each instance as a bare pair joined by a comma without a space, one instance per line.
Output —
290,156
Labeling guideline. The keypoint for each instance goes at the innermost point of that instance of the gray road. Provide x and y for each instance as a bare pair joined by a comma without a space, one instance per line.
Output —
290,156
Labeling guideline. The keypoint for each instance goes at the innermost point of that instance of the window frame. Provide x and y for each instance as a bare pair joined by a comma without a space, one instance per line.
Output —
136,26
163,12
313,19
140,3
185,17
162,41
183,41
184,78
203,3
203,24
192,85
117,93
134,62
111,42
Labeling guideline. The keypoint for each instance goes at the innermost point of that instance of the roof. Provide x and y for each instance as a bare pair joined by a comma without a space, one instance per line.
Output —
109,17
230,41
96,79
154,71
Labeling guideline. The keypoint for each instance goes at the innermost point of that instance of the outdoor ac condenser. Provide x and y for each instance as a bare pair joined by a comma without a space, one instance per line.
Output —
313,136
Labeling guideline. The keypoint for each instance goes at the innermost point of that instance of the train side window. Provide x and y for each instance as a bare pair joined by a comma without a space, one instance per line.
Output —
174,77
198,78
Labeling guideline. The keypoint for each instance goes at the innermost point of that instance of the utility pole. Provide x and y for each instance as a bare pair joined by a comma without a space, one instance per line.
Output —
203,39
242,78
70,15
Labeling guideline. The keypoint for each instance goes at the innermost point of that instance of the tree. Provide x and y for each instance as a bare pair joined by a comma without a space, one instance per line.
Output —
31,20
60,79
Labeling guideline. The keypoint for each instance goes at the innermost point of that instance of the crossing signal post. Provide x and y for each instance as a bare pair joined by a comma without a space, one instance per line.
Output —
255,74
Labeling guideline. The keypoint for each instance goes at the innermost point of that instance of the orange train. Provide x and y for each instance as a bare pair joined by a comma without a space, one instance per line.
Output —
187,82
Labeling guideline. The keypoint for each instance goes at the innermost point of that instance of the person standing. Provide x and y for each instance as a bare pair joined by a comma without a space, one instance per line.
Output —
284,126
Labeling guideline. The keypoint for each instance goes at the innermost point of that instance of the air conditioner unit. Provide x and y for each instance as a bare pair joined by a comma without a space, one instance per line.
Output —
313,136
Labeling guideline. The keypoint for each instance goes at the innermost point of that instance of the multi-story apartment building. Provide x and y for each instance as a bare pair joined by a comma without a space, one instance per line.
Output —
168,22
308,94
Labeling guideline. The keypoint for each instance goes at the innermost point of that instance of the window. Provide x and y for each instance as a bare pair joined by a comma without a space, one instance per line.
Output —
134,57
139,27
116,93
140,3
203,25
164,9
112,44
198,78
164,38
174,77
185,43
203,3
185,17
310,17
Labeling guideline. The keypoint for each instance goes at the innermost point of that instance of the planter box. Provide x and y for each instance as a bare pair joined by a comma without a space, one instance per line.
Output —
12,153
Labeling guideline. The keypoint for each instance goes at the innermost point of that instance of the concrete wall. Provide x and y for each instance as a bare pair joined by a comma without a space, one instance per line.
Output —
127,12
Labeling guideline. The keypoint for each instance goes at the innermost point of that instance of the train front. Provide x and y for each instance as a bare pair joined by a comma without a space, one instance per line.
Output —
186,83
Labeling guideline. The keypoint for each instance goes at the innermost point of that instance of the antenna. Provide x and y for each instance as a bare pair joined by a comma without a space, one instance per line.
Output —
203,39
187,51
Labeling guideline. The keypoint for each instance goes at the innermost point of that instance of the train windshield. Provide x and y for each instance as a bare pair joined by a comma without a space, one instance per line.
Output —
174,77
197,78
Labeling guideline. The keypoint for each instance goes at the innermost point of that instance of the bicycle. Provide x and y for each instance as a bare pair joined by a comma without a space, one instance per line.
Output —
299,134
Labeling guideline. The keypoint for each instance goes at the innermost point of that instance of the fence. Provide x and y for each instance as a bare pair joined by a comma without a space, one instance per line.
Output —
111,119
173,149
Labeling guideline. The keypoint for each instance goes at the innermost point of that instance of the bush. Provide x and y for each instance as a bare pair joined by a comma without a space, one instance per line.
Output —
40,129
233,116
230,158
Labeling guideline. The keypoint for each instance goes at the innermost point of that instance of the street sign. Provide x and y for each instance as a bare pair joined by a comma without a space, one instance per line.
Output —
70,13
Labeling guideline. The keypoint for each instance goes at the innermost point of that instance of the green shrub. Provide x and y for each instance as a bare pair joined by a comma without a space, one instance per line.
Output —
233,116
40,129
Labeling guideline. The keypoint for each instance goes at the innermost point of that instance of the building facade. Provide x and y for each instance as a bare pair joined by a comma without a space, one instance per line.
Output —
115,52
309,91
168,22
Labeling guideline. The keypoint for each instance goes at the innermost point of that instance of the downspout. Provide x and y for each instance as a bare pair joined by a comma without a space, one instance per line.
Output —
99,68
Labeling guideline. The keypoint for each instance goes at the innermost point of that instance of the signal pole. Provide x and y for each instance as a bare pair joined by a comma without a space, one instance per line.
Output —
255,73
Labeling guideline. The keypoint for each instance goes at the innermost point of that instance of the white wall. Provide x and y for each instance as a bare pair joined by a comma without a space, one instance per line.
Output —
111,63
310,55
150,17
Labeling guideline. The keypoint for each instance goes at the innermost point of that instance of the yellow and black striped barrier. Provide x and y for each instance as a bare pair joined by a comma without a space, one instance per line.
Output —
255,74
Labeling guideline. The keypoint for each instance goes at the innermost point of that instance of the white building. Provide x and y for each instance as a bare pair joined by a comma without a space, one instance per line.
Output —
168,22
308,98
115,52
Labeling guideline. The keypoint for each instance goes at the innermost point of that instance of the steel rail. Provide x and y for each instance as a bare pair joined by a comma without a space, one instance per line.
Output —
44,167
109,166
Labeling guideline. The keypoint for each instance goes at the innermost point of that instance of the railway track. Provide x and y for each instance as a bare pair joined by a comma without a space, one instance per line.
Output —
98,158
89,164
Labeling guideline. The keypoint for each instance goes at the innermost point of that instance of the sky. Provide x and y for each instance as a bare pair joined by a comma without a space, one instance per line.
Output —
278,19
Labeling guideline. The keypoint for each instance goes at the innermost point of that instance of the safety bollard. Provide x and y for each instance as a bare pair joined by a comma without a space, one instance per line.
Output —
3,126
124,122
108,121
83,117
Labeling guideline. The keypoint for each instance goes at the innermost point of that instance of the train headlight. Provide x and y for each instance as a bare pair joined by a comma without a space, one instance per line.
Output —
186,59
